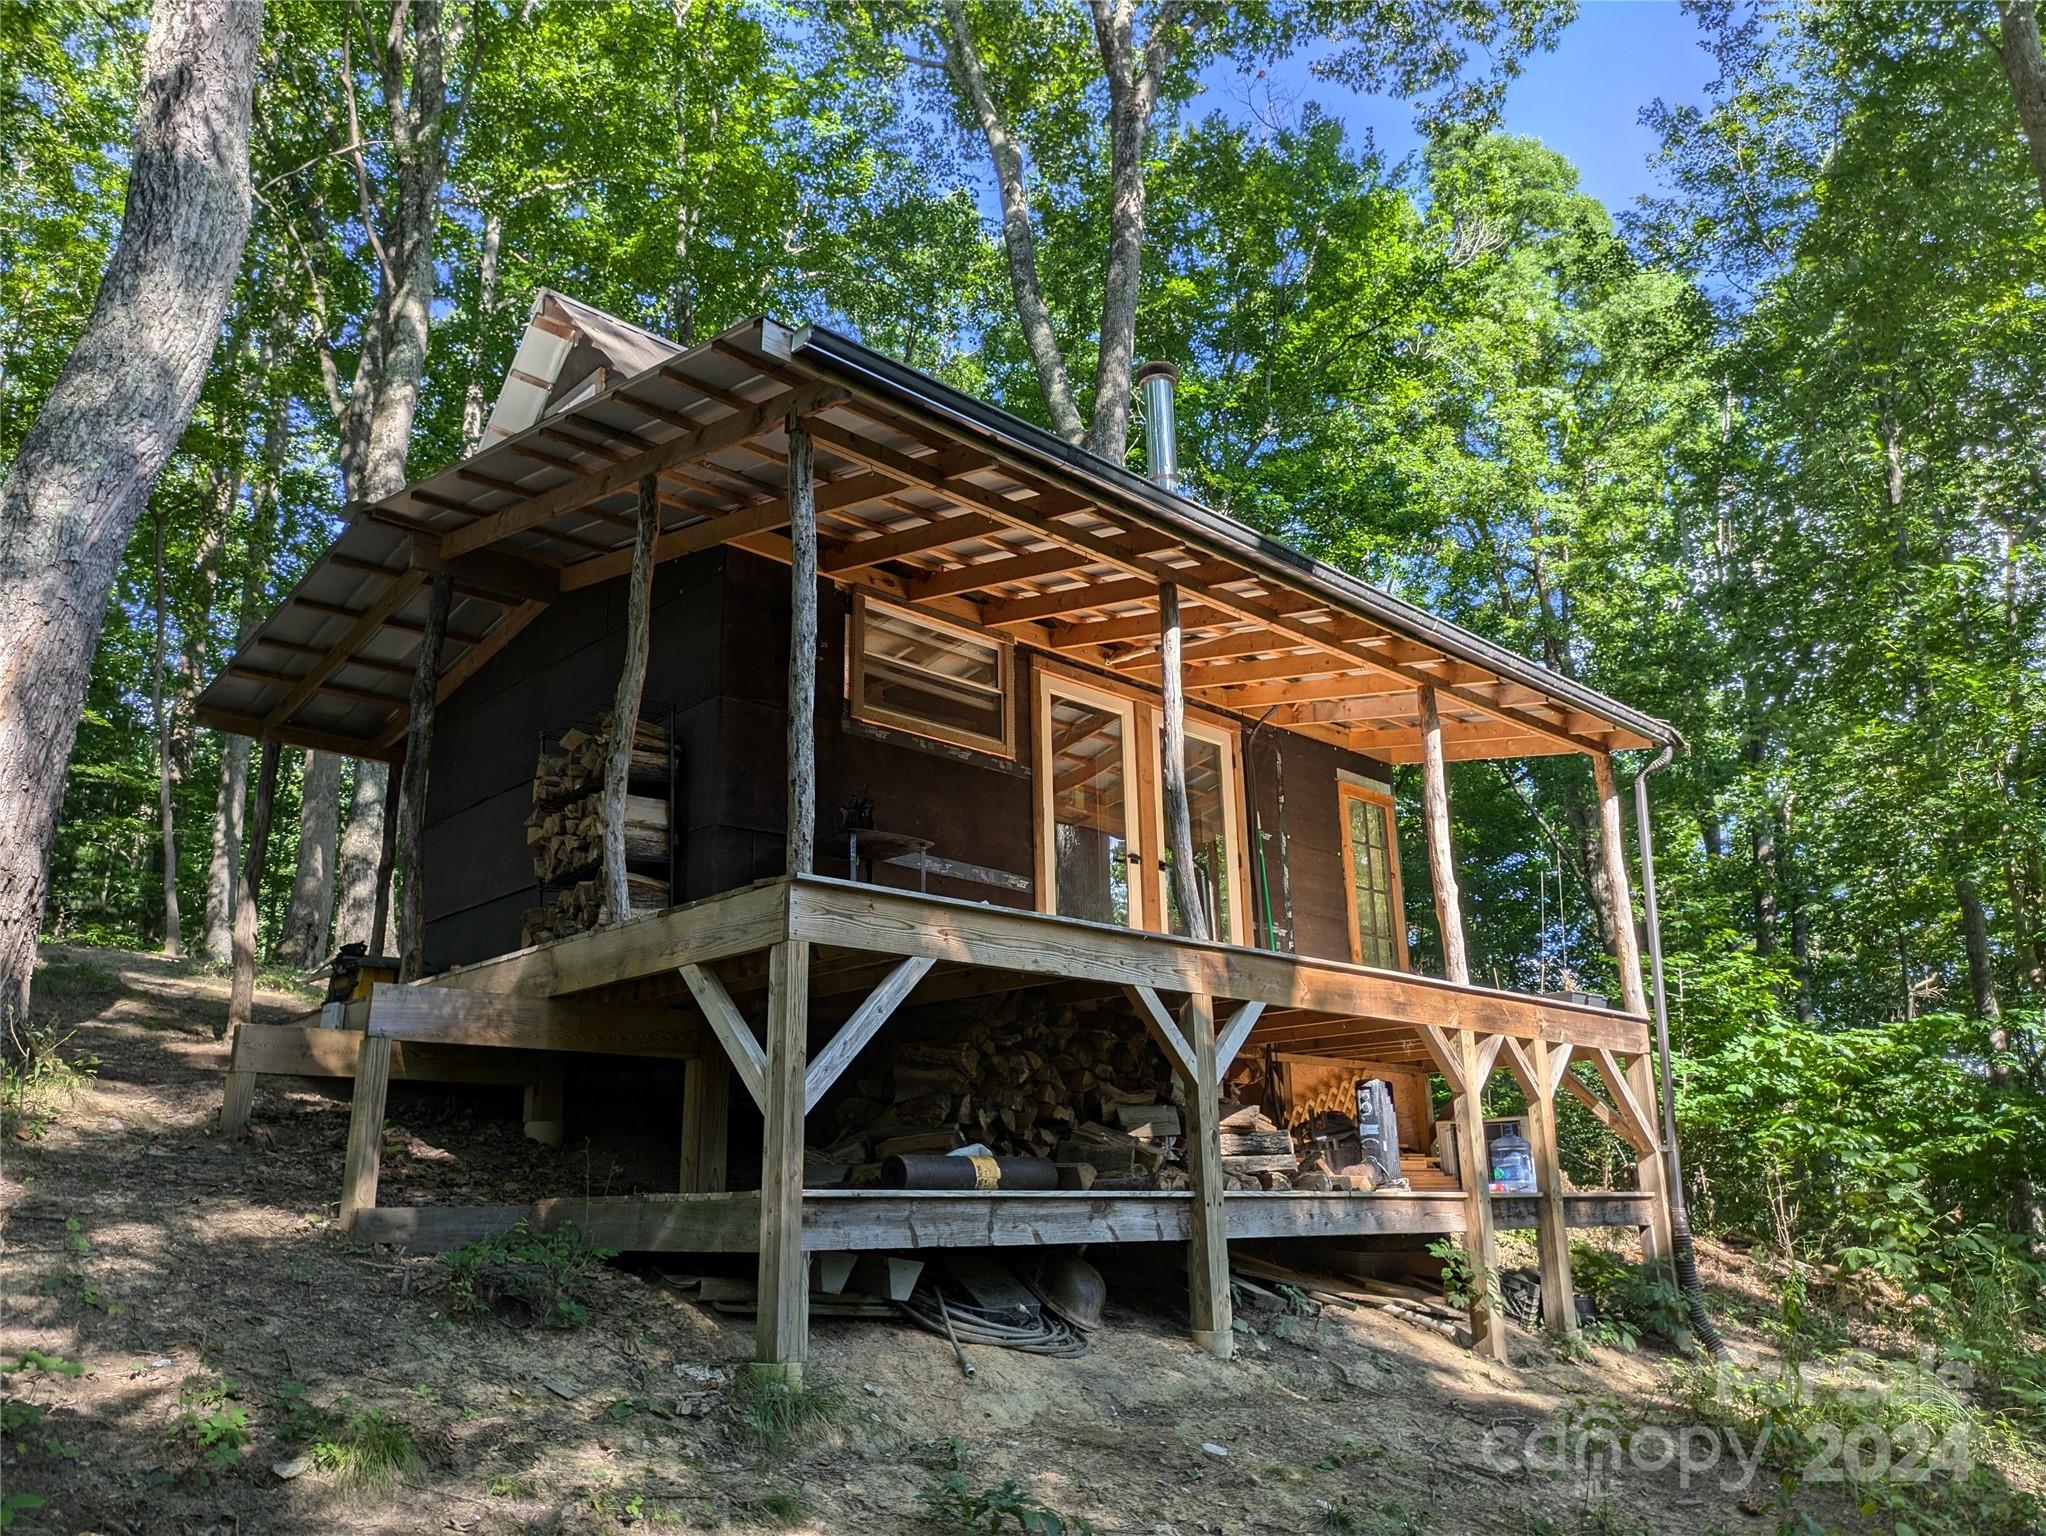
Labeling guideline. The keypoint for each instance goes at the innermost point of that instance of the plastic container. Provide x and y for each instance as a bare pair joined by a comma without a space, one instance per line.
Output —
1512,1161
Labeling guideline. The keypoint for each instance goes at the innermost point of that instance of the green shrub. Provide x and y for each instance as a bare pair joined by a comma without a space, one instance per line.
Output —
953,1502
217,1426
37,1077
548,1273
371,1453
1632,1300
769,1415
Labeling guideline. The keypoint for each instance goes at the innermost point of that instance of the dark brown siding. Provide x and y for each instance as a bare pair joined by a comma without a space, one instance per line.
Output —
1314,836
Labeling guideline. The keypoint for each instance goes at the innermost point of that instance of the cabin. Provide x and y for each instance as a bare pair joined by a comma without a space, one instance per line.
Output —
973,795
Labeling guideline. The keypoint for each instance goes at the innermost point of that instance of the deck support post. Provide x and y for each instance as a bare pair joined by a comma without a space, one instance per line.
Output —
1456,965
1488,1326
1208,1250
412,788
1552,1234
238,1094
366,1127
1185,875
802,807
1640,1076
706,1110
782,1339
387,861
544,1107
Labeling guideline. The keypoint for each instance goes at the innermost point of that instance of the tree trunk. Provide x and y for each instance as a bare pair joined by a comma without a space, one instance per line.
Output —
228,805
241,997
802,721
84,471
1186,884
2024,64
625,707
473,416
361,854
1975,936
166,808
412,787
303,942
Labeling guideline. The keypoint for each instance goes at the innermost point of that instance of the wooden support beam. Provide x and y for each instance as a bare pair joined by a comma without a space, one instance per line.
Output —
1157,1018
456,1016
366,624
943,529
1640,1128
1552,1236
412,793
866,1020
545,1106
1232,1036
387,859
488,572
677,542
782,1339
711,438
1488,1322
732,1030
1184,875
238,1094
802,703
1207,1264
364,1158
706,1112
1441,851
639,602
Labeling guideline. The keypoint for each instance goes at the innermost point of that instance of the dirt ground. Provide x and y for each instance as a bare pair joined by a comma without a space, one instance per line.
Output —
190,1278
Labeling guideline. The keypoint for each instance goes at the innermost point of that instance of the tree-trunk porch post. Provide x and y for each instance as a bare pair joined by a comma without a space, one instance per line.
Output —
1536,1066
412,787
239,1091
1640,1073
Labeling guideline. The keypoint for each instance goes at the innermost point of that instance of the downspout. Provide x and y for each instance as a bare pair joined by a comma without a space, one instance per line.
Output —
1685,1255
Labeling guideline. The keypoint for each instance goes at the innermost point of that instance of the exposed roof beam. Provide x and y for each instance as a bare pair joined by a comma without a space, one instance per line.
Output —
366,624
579,493
936,534
471,661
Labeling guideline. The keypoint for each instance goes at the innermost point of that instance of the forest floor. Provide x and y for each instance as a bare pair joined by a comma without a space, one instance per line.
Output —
195,1347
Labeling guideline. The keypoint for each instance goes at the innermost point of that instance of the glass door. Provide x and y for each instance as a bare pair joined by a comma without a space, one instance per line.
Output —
1214,801
1086,791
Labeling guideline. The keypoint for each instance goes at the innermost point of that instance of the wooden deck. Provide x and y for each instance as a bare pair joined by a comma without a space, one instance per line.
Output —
860,1220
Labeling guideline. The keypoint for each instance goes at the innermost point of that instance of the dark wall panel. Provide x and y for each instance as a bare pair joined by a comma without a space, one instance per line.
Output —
1314,836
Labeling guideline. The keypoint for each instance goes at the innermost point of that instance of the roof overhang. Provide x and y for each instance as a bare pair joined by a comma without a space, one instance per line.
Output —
925,496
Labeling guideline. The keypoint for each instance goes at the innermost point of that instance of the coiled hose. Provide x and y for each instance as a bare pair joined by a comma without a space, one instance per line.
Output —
973,1325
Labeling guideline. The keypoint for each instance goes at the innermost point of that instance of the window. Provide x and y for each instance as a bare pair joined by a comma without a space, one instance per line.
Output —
936,679
1378,922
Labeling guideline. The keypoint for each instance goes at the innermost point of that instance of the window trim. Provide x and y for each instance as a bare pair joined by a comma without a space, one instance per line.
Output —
1003,746
1353,787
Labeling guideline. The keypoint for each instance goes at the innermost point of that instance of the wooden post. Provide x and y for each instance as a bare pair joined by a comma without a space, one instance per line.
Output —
1456,965
802,812
387,861
1208,1252
1488,1327
706,1110
625,707
1552,1233
412,791
239,1091
366,1127
783,1337
1185,875
545,1107
1648,1169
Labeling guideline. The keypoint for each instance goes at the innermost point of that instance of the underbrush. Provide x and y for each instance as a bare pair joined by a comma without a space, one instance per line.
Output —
41,1074
954,1505
769,1416
547,1273
1630,1301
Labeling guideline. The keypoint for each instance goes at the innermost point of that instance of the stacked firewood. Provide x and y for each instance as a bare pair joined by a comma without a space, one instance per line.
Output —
1081,1084
576,767
569,839
565,830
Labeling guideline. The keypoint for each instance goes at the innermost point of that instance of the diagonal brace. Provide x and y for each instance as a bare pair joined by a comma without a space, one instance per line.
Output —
853,1035
1234,1033
1164,1029
732,1030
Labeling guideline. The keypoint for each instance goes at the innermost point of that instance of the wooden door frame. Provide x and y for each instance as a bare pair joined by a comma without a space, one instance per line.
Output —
1234,841
1354,786
1136,826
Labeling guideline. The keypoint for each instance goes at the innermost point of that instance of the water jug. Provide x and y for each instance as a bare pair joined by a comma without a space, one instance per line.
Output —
1512,1161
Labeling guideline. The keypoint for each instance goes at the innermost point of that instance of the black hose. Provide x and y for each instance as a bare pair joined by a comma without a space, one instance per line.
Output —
972,1325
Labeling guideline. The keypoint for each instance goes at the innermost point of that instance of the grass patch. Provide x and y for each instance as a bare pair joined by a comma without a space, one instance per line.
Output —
370,1454
41,1074
769,1416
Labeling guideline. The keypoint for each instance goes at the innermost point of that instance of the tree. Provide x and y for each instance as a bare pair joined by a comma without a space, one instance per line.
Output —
82,477
2024,64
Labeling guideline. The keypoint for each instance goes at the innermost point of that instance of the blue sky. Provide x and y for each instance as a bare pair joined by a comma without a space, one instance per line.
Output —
1582,100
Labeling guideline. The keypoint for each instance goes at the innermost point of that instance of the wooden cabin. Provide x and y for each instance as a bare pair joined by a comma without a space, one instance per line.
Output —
924,690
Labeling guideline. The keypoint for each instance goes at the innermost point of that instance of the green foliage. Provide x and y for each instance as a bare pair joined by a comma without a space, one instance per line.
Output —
216,1426
39,1074
1632,1300
547,1273
953,1503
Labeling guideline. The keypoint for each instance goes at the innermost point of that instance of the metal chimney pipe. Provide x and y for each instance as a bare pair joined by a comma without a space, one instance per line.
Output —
1156,382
